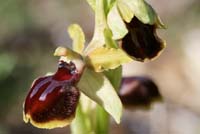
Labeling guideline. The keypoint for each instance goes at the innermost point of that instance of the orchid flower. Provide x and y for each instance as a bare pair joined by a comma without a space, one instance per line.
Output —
124,31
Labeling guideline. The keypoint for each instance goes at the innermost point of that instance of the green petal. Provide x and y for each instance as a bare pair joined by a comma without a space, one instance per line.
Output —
116,23
106,58
107,4
77,36
125,11
98,88
142,10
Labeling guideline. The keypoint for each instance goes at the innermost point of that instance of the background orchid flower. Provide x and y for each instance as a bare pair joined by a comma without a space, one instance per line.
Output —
141,42
138,91
134,22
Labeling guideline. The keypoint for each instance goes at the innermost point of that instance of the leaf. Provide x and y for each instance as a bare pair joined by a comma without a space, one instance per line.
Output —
98,88
77,36
116,23
126,13
106,58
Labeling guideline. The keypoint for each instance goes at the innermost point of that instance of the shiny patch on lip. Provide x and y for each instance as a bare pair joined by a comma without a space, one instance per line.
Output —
53,99
142,42
57,112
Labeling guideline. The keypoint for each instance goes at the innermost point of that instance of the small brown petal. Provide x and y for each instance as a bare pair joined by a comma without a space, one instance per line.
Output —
138,91
142,42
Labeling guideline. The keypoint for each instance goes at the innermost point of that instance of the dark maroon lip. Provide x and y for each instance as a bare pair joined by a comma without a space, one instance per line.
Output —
141,42
55,96
66,71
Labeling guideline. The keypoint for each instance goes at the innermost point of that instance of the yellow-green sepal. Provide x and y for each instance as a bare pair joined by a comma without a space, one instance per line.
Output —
116,23
142,10
78,37
67,52
98,88
125,11
105,58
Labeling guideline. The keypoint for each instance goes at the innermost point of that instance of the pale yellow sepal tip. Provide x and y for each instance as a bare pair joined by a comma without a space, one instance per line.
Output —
60,51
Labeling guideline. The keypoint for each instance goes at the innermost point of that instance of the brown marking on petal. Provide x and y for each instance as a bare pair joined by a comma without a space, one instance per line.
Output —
138,91
53,99
65,71
142,42
61,106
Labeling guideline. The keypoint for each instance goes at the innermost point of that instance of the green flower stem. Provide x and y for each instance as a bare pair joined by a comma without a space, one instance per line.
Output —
100,19
102,121
82,123
100,24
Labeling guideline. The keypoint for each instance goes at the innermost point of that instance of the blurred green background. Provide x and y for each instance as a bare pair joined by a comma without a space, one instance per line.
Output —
30,30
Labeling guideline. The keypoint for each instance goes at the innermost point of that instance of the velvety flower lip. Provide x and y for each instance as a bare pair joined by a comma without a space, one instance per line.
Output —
138,91
52,100
142,42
